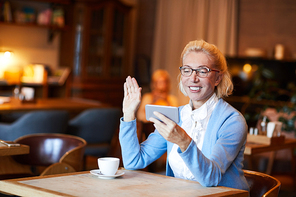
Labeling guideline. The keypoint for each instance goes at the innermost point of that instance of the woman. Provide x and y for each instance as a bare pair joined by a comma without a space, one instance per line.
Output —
159,95
208,143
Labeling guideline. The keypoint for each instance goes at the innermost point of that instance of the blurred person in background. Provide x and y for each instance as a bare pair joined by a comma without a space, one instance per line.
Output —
159,95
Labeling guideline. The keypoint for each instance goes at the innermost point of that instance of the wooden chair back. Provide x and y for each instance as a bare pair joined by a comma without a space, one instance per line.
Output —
262,185
58,152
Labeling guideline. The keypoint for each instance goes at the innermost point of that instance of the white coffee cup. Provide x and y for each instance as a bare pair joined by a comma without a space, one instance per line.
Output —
270,129
108,165
28,93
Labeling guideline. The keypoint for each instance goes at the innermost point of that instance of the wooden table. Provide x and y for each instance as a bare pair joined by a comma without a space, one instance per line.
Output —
49,104
73,105
253,148
7,164
132,183
16,150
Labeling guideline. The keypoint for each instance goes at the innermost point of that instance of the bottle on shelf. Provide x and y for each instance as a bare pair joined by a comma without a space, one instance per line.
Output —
263,125
16,91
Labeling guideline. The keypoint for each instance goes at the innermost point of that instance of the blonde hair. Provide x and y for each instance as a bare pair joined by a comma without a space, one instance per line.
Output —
225,87
156,75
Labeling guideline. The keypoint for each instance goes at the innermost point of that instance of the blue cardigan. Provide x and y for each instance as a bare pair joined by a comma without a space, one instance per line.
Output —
220,161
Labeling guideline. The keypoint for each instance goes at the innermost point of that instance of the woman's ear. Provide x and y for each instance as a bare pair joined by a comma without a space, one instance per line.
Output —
218,79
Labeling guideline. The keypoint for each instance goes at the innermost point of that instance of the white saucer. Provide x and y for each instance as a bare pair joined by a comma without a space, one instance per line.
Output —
98,173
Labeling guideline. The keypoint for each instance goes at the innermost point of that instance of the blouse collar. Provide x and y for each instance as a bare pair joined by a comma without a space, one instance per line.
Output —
200,113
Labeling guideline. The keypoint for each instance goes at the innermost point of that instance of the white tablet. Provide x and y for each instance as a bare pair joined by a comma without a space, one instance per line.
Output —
170,112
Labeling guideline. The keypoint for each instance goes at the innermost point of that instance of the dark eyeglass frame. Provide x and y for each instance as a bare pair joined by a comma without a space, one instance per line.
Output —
197,71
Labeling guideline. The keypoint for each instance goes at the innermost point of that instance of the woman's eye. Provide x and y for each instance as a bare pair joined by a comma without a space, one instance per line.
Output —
203,70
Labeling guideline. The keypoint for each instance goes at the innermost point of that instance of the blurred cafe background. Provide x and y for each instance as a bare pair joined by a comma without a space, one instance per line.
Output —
86,48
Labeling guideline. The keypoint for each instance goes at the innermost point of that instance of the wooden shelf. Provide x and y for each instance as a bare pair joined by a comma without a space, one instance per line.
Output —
248,100
246,58
102,59
52,27
50,1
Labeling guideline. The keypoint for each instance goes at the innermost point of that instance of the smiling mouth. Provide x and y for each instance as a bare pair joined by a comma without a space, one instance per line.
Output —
194,88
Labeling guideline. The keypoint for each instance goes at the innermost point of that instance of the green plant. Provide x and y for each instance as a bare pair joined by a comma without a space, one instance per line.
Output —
266,88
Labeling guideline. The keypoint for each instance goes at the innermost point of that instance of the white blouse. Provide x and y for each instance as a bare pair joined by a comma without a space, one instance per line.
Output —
195,123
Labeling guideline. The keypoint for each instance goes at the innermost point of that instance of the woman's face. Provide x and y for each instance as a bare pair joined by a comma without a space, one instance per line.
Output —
199,89
161,84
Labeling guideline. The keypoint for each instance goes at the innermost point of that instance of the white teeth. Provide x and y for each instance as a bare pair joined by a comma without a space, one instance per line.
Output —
195,88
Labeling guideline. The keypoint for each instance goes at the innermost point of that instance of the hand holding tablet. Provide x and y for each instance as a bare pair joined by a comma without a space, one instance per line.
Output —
170,112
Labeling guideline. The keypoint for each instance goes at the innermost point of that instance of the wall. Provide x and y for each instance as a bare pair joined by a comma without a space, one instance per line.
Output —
262,24
29,45
265,23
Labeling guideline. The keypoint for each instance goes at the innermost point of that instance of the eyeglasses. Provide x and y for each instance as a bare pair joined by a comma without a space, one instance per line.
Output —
201,72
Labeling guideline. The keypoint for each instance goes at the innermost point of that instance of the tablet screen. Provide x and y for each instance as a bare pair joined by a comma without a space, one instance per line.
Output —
170,112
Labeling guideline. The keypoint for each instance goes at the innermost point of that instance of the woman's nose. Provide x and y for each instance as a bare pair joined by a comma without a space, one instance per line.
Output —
194,76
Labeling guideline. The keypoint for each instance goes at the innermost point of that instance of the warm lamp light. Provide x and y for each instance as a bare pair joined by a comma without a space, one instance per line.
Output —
247,68
7,54
5,61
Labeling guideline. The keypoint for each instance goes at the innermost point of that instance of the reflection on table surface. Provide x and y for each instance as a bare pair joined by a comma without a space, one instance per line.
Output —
132,183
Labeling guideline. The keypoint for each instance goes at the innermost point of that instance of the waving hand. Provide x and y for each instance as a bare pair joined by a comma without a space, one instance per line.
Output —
132,99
